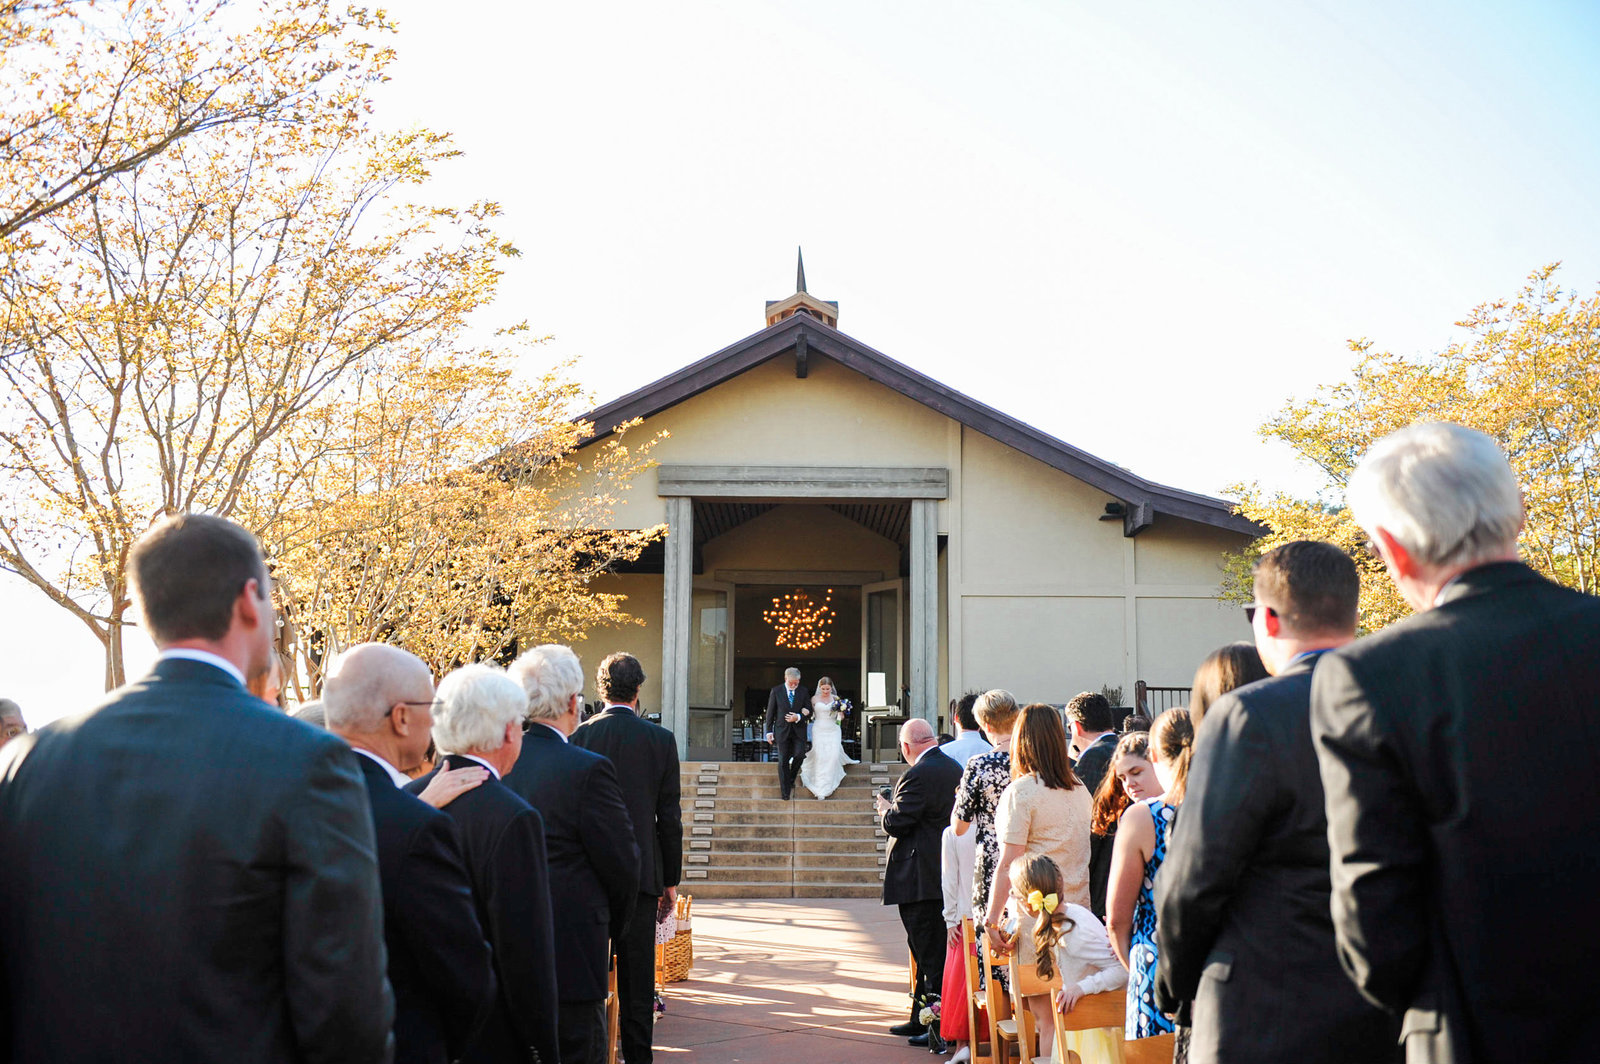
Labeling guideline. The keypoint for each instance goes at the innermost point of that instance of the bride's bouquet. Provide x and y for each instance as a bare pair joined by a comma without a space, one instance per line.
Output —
842,707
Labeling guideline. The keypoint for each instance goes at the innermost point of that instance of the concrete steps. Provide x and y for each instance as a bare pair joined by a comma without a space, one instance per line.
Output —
743,841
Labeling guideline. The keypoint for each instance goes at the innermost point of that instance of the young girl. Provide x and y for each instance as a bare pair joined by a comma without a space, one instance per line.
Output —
1067,939
1140,848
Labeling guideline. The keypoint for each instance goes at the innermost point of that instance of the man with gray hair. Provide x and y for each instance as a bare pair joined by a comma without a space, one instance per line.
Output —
594,860
477,720
379,699
788,712
1426,733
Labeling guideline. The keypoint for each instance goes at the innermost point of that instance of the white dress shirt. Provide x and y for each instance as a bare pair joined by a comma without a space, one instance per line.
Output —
400,778
492,770
190,654
957,855
967,747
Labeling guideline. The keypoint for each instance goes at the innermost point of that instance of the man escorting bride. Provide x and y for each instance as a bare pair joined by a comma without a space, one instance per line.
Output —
823,769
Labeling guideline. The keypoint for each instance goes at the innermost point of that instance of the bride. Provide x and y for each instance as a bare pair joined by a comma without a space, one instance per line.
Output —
824,765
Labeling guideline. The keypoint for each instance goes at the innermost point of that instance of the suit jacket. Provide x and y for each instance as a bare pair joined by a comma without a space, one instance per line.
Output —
594,860
1243,896
1092,764
1460,895
646,760
917,815
502,840
778,704
439,962
189,874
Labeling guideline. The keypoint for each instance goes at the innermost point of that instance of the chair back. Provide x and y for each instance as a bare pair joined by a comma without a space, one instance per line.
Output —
1108,1009
969,956
1026,982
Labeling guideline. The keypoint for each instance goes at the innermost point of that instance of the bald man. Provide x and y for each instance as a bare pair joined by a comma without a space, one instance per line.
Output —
379,699
914,818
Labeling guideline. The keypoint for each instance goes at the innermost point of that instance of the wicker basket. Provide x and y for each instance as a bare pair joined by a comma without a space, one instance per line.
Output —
676,957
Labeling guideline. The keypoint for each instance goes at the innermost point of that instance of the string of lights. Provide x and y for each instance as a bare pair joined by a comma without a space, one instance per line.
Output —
800,622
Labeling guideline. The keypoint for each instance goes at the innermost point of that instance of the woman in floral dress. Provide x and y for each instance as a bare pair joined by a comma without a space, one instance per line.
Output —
982,782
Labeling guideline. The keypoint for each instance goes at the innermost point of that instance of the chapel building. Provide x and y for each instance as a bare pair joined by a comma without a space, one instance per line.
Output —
925,546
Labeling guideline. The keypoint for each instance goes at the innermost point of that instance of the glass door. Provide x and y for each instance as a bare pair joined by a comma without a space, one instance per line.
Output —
710,672
882,645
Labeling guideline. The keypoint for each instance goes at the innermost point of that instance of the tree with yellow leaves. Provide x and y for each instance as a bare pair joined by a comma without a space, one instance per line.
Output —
1527,373
446,513
163,326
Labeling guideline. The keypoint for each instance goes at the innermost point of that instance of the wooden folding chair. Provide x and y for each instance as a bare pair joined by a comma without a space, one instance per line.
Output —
1027,1037
1109,1009
1157,1050
1002,1025
613,1013
980,1051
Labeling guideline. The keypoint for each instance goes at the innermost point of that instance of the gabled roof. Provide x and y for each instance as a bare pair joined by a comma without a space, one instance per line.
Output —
807,337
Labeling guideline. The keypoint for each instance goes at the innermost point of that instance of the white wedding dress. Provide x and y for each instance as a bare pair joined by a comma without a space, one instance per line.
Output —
823,768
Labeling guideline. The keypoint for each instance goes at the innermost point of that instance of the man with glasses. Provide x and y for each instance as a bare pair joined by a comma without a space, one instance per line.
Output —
1243,898
379,699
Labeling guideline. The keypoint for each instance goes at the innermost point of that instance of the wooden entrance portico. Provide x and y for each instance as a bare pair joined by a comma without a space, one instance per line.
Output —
680,485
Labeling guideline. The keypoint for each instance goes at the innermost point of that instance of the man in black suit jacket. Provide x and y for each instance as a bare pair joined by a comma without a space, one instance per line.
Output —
1243,897
594,860
478,721
646,760
914,819
379,699
788,710
185,872
1092,733
1460,896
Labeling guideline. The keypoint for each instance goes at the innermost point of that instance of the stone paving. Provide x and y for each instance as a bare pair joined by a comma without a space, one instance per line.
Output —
805,980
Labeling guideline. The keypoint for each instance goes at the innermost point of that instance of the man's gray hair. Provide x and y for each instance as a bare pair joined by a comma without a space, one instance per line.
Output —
550,674
791,673
473,707
1444,492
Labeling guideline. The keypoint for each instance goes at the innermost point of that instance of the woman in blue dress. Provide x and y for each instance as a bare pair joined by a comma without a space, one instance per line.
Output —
1141,846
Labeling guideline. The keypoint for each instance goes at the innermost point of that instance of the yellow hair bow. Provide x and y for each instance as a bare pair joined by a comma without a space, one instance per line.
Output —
1047,902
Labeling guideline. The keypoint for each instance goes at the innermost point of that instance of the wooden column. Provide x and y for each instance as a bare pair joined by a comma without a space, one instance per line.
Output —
922,634
677,591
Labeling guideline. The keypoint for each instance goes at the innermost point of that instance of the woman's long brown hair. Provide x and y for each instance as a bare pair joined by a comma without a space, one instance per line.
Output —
1110,799
1039,745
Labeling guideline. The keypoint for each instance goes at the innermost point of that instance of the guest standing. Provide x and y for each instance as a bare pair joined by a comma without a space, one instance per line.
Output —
1094,736
478,720
1130,779
646,760
913,818
1455,899
1045,810
379,699
594,860
983,781
1140,848
1225,669
969,741
956,856
188,873
11,722
1246,875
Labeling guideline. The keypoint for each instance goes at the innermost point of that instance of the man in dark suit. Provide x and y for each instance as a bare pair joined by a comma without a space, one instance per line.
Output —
379,699
1461,897
1092,734
788,710
914,818
478,721
1243,898
594,860
646,759
185,872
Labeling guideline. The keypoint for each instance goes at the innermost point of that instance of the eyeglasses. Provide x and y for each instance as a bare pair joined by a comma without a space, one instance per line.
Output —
430,703
1250,612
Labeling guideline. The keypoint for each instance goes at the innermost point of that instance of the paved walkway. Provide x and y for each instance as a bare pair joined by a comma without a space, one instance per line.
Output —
798,981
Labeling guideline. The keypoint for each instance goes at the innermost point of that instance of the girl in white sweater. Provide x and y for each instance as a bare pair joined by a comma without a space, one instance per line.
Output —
1067,938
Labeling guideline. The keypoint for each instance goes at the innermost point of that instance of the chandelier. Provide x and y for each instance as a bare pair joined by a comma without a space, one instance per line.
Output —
800,622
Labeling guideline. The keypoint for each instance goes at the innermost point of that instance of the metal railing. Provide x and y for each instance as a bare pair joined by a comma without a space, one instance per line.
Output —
1151,701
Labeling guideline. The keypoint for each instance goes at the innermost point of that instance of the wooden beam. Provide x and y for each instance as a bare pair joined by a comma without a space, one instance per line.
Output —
801,352
803,482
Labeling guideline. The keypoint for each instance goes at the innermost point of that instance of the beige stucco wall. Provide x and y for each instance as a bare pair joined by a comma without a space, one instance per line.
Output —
642,641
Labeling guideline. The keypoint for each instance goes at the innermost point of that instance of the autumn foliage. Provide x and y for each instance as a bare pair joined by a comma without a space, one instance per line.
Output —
1527,372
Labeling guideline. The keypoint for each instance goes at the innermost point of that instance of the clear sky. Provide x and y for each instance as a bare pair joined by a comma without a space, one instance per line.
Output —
1139,227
